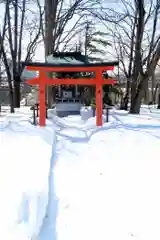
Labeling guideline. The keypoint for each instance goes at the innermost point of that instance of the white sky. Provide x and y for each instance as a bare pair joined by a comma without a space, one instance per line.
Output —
39,54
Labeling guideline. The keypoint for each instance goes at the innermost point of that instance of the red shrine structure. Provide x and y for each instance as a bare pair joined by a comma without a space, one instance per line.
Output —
43,80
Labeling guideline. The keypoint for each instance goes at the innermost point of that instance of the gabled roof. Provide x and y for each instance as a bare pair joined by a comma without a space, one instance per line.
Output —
58,58
72,58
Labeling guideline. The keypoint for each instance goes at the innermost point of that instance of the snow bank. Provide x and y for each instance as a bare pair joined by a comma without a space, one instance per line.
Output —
144,120
108,185
86,113
147,120
25,156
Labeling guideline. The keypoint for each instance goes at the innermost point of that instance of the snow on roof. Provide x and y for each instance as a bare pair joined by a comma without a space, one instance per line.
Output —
26,75
58,58
67,58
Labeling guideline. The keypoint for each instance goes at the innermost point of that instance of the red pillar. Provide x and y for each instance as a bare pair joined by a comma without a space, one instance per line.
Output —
42,99
99,98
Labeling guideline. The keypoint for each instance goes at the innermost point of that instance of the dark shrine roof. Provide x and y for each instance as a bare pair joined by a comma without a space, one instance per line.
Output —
71,58
68,59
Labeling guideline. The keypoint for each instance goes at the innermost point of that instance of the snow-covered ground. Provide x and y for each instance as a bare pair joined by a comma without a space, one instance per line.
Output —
25,156
103,183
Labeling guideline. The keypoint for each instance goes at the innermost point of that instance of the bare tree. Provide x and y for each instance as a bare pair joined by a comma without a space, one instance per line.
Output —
21,31
144,67
137,43
4,56
58,35
61,13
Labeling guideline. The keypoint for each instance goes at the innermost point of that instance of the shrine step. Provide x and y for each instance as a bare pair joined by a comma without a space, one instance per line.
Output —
67,113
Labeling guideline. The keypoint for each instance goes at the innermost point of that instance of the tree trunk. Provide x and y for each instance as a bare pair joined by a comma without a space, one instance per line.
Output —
136,103
11,95
158,107
153,86
155,94
124,103
140,92
146,96
125,100
17,94
50,16
133,91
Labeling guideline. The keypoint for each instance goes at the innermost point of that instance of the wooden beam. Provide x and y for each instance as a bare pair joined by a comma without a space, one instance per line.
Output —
69,69
67,65
68,81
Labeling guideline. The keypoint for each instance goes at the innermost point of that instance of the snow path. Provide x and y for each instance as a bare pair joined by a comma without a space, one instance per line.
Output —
106,182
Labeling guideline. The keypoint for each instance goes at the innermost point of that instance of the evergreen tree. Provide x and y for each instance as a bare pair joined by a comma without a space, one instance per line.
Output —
95,44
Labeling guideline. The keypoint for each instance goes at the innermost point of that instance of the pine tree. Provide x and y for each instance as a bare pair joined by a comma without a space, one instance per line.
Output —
95,44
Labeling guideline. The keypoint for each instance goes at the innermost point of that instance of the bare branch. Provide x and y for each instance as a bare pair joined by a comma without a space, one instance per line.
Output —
151,47
32,45
21,32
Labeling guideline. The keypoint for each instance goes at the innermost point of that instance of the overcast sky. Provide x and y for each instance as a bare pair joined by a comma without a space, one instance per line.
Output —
39,55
